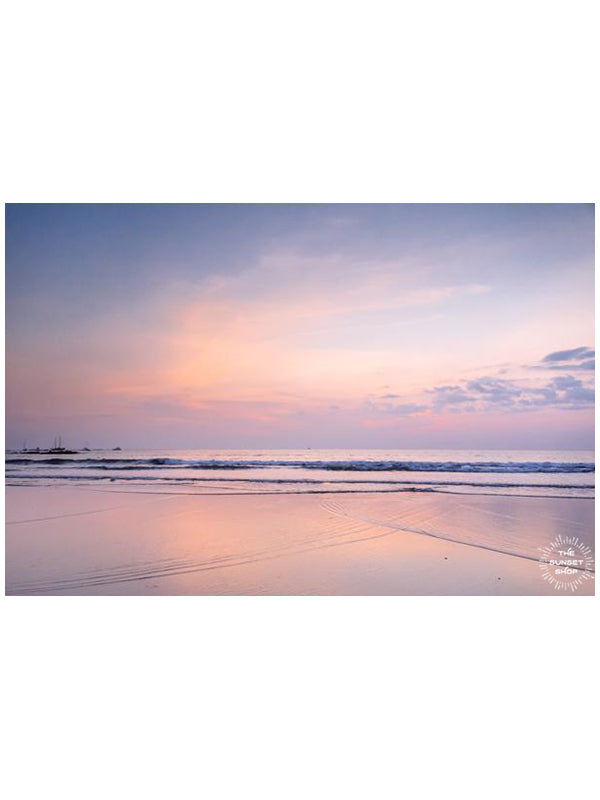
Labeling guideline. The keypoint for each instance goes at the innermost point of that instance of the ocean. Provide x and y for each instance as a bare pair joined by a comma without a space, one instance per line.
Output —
541,473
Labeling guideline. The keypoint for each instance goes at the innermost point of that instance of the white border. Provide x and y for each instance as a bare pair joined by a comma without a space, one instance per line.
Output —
299,697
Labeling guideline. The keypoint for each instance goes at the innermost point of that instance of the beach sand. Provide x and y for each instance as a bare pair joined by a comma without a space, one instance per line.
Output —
77,541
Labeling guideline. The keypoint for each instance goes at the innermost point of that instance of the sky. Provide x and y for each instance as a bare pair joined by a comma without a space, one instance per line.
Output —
292,326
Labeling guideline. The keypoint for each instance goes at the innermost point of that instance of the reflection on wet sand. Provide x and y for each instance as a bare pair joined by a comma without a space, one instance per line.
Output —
76,541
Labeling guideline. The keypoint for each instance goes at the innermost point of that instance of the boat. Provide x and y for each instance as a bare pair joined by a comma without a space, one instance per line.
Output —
56,450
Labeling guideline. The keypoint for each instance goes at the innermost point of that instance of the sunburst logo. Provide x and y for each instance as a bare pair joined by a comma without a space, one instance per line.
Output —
567,563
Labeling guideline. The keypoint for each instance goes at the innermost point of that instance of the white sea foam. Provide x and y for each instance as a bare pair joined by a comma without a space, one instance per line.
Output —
561,473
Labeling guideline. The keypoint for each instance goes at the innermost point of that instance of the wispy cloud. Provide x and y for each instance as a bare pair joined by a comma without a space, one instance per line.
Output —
578,358
576,354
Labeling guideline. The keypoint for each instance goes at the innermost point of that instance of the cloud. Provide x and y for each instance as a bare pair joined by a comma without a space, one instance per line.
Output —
448,396
575,359
574,390
583,365
576,354
486,393
579,358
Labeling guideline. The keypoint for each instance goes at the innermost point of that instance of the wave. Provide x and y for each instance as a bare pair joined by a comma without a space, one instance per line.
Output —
152,462
497,467
168,479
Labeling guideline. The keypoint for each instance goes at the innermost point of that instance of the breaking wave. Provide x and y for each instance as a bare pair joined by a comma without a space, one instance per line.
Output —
496,467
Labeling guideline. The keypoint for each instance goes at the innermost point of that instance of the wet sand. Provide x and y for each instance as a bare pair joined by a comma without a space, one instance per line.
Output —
77,541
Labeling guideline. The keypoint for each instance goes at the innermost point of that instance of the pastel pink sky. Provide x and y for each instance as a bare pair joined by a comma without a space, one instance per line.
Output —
296,326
